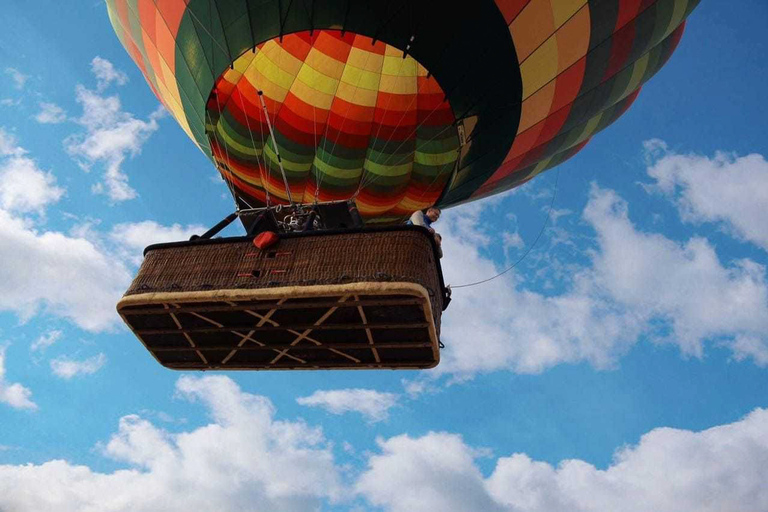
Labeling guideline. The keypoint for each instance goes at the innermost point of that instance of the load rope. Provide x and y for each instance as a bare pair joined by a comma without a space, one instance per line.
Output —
527,252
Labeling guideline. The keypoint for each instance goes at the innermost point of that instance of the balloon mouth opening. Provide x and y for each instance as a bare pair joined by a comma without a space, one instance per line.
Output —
338,115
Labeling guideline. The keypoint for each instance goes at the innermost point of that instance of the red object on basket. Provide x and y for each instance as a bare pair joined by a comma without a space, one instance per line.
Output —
266,239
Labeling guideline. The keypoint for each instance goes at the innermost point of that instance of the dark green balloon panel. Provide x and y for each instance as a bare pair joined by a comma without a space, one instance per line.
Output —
398,104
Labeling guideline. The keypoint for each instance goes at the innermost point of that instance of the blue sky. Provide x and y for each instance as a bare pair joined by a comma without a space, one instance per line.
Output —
626,358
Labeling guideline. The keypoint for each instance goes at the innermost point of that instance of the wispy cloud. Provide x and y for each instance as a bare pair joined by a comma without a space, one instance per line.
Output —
106,73
19,79
67,368
110,135
373,405
13,394
50,113
46,340
725,189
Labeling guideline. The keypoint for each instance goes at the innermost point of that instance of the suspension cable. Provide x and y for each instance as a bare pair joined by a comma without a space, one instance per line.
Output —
250,133
277,151
541,232
344,117
371,178
363,175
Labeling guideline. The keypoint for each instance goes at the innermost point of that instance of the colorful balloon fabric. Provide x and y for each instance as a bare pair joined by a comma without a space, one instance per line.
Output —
397,104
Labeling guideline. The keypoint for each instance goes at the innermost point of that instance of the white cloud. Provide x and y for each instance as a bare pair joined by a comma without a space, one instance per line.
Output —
635,282
66,276
418,386
67,368
725,189
669,470
244,459
512,240
15,395
46,340
106,73
133,237
373,405
9,146
24,187
10,102
685,284
111,135
434,472
19,78
69,276
50,113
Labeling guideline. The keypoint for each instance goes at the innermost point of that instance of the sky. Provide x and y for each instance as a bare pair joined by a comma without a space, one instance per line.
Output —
622,365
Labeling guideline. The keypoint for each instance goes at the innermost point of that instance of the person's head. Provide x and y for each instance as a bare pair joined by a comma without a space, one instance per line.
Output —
433,214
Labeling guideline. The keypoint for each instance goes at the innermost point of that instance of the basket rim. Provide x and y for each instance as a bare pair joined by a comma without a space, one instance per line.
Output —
388,288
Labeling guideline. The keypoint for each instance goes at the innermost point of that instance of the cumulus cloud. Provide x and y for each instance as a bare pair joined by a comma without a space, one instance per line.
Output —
24,187
682,283
636,281
110,136
67,368
725,189
106,73
13,394
67,276
70,276
244,459
373,405
46,340
434,472
79,276
669,470
19,79
50,113
133,237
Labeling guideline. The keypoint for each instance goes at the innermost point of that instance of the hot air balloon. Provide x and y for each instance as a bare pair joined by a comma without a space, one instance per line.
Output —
315,110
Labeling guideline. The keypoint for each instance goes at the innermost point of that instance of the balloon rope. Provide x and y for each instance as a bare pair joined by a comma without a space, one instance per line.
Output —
344,118
541,232
314,133
253,141
405,157
277,151
363,175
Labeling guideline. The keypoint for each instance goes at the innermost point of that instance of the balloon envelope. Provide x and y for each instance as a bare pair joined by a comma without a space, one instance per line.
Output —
398,104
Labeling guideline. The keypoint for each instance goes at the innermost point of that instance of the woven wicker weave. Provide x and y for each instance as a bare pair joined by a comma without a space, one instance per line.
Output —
365,299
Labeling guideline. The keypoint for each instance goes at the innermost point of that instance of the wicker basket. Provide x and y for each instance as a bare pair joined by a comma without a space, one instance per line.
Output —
319,300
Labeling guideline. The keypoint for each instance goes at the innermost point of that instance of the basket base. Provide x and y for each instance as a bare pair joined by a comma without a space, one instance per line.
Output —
367,325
